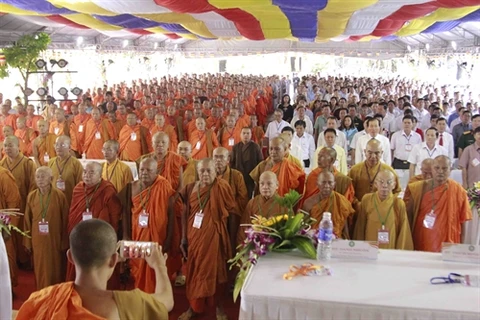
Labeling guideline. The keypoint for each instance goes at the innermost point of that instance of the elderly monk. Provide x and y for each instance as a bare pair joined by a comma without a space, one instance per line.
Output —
264,204
246,155
161,126
383,217
170,164
209,231
203,140
60,126
46,217
8,131
116,123
229,135
43,146
114,170
363,174
190,169
77,129
97,131
93,198
93,250
426,169
26,136
327,200
67,170
134,140
287,135
437,208
325,160
289,175
9,199
221,157
149,216
176,121
31,118
148,121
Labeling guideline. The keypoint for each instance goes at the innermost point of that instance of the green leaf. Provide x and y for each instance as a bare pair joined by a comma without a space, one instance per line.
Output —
282,244
305,245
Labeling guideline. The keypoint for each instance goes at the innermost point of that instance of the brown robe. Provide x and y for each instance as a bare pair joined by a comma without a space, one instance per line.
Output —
244,158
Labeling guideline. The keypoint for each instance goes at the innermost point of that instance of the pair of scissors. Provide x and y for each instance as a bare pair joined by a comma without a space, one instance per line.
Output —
452,278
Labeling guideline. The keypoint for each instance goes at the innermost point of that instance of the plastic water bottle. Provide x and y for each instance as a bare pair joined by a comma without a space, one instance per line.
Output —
325,234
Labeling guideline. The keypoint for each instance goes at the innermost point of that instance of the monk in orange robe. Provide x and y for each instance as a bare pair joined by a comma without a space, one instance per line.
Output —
290,176
97,131
327,200
264,204
190,126
243,119
25,135
117,124
160,126
229,135
77,129
135,140
8,131
184,149
209,229
9,199
32,118
426,169
115,171
203,141
149,119
151,219
60,126
47,205
88,298
43,145
7,119
93,198
437,208
343,184
176,121
121,112
215,121
261,107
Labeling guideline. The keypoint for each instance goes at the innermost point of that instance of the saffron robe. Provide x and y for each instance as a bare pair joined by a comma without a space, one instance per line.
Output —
26,137
131,150
77,132
96,133
203,144
172,135
289,176
71,171
117,173
170,167
190,172
45,145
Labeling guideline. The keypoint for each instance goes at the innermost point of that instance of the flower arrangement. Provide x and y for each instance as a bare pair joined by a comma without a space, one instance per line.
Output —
282,232
474,196
6,221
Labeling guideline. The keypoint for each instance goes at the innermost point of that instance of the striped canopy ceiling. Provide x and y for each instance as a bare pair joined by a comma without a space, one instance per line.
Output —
298,20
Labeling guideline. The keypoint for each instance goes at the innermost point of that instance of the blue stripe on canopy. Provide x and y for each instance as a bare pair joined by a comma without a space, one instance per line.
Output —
39,6
128,21
449,25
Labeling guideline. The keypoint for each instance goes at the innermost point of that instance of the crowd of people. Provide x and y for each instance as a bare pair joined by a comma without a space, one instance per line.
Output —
209,157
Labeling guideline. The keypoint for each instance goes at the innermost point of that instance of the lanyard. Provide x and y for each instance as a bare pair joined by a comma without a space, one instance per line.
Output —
88,199
98,126
330,203
230,134
269,209
16,165
430,155
162,165
144,203
378,212
60,171
408,139
375,176
202,205
45,207
433,199
109,177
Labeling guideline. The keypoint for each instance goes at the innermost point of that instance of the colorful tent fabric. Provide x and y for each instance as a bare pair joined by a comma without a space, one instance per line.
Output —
299,20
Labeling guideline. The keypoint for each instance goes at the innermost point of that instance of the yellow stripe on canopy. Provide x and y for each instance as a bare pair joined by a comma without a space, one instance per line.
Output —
187,21
89,21
83,6
333,20
444,14
274,23
6,8
368,38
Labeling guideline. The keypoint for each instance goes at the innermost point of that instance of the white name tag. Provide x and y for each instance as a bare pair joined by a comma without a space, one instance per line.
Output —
60,184
408,147
46,157
349,249
133,136
383,236
197,222
87,215
429,220
143,220
231,142
198,145
43,227
461,252
475,162
80,128
56,130
98,136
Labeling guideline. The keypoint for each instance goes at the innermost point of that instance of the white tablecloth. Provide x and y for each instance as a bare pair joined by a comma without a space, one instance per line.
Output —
472,230
396,286
5,287
132,165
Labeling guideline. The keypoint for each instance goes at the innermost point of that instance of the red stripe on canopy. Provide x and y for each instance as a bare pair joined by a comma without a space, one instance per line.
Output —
142,32
60,19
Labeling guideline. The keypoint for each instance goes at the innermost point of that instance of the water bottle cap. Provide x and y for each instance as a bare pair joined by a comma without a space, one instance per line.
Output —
327,215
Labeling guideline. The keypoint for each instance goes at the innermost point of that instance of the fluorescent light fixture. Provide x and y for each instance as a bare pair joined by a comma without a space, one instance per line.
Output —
427,46
155,45
454,45
79,41
409,48
125,43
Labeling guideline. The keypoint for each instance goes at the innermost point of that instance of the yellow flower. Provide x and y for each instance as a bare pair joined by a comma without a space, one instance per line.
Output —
477,185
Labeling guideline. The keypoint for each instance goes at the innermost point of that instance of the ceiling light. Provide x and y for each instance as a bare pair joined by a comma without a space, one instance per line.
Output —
79,41
63,91
40,63
155,45
62,63
76,91
125,43
427,46
409,48
454,45
41,92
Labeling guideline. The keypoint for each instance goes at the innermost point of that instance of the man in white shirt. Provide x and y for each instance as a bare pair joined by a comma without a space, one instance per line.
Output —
402,144
445,139
426,150
300,115
341,162
275,127
303,145
357,136
341,139
419,112
373,130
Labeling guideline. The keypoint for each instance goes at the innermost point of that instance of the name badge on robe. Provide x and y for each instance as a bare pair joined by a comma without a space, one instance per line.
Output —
133,136
231,142
198,145
43,227
197,221
80,128
143,219
87,215
98,136
383,236
475,162
60,184
56,130
408,147
429,220
46,157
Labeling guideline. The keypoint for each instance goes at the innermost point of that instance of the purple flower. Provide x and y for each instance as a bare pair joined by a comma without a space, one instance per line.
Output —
5,219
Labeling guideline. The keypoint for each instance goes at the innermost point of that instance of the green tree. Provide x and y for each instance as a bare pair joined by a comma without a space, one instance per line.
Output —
23,55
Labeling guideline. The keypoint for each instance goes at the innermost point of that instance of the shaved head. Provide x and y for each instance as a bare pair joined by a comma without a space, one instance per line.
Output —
325,183
184,149
326,158
441,169
426,168
206,171
160,143
385,182
92,174
278,147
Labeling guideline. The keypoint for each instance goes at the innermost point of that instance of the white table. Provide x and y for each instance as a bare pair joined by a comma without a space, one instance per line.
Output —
131,165
396,286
